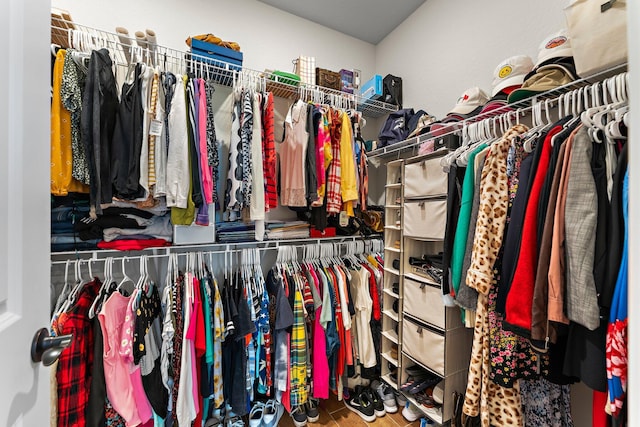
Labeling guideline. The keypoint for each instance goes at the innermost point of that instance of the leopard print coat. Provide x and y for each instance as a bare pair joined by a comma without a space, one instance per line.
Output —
497,406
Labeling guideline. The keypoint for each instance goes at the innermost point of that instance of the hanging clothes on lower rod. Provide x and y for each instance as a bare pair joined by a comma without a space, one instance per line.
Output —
198,347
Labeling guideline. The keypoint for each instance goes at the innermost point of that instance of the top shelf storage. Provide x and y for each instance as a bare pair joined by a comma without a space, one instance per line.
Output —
551,97
84,38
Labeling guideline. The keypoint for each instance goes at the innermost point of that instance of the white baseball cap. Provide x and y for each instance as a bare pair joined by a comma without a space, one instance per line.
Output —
471,99
556,45
511,72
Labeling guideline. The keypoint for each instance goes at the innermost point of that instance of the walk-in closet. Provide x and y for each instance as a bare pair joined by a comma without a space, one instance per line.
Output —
276,213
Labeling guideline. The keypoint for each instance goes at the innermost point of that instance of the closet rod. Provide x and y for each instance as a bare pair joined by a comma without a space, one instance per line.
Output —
237,245
521,108
87,38
96,258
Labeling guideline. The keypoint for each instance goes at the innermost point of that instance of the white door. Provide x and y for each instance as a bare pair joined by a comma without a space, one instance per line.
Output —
24,208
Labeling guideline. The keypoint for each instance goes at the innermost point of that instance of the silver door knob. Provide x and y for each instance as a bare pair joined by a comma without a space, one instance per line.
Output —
47,349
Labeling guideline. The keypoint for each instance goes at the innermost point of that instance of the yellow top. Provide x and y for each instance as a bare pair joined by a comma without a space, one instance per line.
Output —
348,184
61,155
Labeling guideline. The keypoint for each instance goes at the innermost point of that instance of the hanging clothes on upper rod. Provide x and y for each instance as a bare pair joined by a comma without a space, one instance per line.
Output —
541,254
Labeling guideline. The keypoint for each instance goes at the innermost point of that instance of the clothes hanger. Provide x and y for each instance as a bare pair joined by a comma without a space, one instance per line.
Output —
126,278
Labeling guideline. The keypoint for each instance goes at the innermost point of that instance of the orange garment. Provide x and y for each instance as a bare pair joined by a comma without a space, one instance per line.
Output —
557,268
62,182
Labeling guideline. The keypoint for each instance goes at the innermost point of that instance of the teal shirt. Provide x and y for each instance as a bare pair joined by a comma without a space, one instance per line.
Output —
462,229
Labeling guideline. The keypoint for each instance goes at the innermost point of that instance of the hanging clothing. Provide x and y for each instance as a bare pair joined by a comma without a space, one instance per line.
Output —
334,197
234,198
75,364
484,397
127,140
269,153
213,155
178,177
74,75
62,181
292,157
617,341
118,379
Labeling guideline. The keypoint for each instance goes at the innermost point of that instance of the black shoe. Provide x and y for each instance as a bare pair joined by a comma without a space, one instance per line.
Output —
378,405
299,416
361,405
311,408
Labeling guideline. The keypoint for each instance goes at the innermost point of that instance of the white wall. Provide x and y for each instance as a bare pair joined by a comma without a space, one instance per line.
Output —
447,46
268,37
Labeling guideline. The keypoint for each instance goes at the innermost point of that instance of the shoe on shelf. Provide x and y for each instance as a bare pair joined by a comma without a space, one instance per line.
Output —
361,405
386,394
299,416
438,393
396,288
411,413
396,244
311,408
378,405
394,351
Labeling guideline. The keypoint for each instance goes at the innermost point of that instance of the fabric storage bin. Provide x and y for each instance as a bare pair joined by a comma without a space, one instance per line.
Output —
425,219
425,179
423,344
424,302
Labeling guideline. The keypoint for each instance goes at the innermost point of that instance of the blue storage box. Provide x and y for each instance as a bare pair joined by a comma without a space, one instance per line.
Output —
220,56
372,88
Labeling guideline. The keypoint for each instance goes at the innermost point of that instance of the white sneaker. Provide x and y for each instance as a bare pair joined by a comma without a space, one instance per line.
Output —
411,413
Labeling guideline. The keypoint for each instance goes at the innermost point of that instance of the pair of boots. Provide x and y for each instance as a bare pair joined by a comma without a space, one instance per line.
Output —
145,40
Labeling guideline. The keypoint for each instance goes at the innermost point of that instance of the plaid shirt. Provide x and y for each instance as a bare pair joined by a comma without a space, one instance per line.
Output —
75,363
334,200
298,354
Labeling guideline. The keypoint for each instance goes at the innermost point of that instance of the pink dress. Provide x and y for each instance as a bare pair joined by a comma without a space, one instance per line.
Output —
117,377
126,351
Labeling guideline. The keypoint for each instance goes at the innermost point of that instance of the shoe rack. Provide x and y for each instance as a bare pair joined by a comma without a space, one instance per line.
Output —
391,302
432,334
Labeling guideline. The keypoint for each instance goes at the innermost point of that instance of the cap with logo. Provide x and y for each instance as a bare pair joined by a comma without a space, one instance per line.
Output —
472,99
555,67
556,45
511,72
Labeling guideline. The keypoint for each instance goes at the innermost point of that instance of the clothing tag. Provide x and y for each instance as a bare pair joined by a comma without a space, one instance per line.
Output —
344,219
155,128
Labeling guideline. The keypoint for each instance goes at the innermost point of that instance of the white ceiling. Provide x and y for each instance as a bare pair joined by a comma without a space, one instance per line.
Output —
368,20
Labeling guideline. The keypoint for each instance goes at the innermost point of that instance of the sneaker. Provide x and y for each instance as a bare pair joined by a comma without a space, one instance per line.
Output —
386,394
361,405
402,401
272,413
411,413
378,405
299,416
311,408
357,380
256,414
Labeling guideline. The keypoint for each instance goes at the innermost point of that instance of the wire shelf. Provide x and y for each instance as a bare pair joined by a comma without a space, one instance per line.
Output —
551,97
70,34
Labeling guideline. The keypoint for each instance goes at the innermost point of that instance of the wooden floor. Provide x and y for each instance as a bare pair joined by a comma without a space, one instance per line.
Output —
334,413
